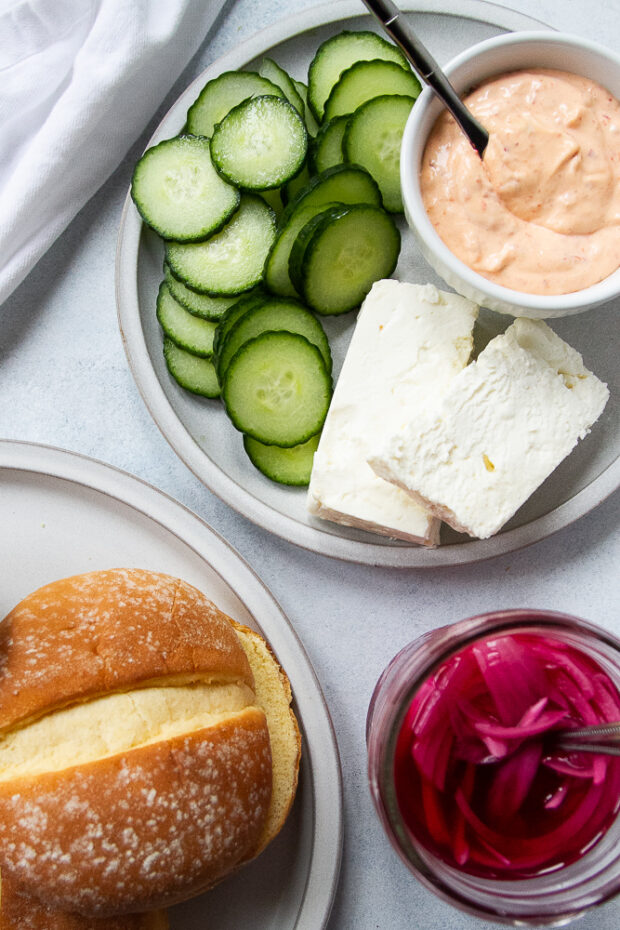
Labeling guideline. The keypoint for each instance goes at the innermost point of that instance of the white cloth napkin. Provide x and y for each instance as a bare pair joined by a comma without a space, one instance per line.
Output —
79,81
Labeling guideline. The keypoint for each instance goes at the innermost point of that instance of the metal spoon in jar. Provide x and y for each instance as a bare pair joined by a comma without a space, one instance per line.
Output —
603,739
403,35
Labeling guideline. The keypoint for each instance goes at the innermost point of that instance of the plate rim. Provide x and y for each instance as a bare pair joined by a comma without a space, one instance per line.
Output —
325,780
311,536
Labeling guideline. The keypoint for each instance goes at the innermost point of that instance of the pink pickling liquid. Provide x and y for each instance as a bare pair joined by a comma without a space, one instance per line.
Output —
476,779
540,213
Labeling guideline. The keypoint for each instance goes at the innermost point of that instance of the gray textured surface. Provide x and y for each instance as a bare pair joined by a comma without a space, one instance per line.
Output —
64,381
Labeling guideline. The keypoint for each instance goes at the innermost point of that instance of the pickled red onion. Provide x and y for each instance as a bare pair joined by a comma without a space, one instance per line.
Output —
477,780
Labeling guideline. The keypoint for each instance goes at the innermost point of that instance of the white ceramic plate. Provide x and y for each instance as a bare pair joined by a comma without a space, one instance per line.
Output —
199,431
62,514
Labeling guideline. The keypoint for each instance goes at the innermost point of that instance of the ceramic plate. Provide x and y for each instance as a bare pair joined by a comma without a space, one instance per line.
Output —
198,429
62,514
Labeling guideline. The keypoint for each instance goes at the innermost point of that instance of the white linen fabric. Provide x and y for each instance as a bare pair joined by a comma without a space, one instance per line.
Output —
79,81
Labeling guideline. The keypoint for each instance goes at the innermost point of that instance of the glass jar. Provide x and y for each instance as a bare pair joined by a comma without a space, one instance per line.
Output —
551,897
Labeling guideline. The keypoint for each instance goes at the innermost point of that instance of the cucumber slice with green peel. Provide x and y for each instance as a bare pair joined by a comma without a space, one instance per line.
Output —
235,312
327,147
337,54
291,189
273,315
373,138
326,214
191,372
340,253
271,70
202,305
231,261
260,144
274,199
277,389
311,124
341,184
365,80
286,466
186,330
179,193
277,276
221,94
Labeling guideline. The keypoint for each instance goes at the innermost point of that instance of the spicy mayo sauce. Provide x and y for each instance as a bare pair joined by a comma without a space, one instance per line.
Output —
541,212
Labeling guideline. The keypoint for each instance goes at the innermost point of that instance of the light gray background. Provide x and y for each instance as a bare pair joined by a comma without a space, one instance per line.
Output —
64,381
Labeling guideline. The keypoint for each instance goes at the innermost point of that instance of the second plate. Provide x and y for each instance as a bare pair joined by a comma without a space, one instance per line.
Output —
62,514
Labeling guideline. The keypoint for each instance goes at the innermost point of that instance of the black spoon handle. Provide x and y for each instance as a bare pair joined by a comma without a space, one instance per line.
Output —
403,35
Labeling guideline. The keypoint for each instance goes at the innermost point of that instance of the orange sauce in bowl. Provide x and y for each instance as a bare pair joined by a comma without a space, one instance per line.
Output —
541,212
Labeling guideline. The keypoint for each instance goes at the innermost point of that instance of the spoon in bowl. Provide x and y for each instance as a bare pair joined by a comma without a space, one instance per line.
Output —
425,65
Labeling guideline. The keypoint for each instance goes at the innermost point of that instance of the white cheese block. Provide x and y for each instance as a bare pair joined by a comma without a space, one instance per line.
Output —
408,343
505,423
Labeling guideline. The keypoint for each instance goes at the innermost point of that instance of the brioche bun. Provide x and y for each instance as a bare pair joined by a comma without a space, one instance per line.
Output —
19,911
147,745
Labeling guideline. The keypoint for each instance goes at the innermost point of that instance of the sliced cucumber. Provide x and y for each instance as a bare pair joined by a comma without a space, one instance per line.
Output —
260,144
327,148
342,184
373,138
235,312
271,70
325,215
365,80
337,54
179,193
277,277
202,305
220,95
291,189
273,315
274,199
277,389
232,260
311,124
340,253
191,372
186,330
286,466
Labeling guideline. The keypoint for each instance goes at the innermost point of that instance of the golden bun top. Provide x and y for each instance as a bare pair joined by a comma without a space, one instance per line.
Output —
138,763
108,631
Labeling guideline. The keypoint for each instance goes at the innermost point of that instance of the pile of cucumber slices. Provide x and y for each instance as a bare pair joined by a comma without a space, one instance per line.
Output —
276,208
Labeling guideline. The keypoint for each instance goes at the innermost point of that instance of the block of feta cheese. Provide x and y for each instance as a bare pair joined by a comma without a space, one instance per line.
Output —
504,424
408,344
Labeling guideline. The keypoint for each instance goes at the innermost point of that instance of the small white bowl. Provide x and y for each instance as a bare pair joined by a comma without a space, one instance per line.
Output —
509,52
